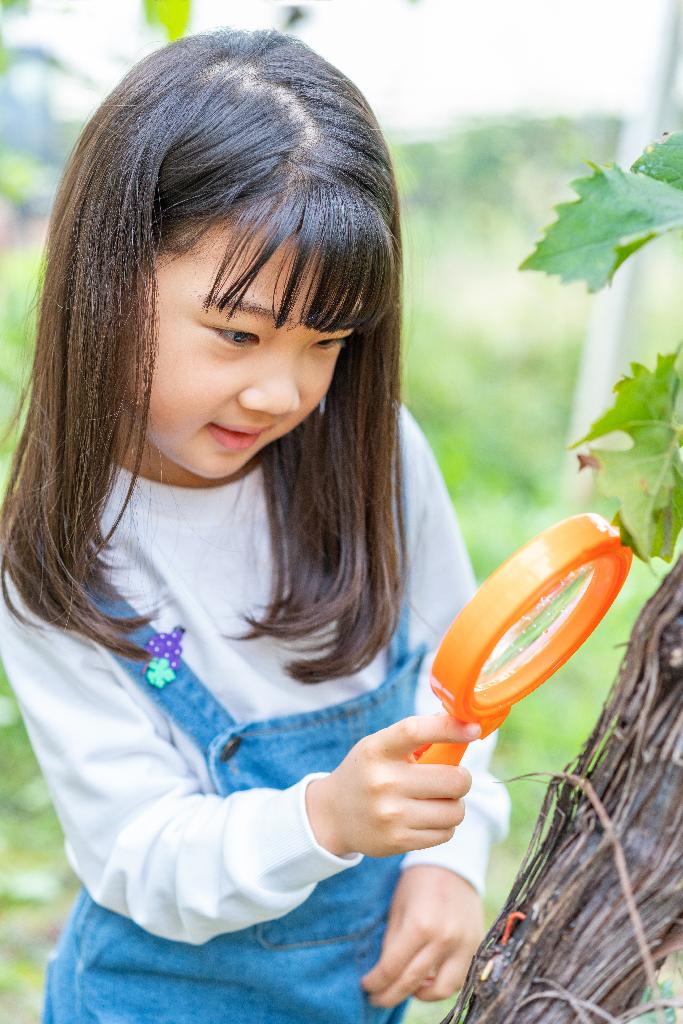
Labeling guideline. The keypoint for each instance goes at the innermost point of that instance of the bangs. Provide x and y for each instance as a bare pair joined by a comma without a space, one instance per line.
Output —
338,244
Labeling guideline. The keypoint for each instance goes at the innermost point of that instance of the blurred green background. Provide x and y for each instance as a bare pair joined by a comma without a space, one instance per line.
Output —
490,367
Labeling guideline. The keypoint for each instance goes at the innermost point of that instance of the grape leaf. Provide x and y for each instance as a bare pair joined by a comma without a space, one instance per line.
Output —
647,478
616,213
663,160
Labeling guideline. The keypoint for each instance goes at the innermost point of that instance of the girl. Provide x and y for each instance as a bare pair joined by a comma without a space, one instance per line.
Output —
215,437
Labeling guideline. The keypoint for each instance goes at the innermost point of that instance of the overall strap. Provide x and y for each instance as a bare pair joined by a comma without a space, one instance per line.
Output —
168,680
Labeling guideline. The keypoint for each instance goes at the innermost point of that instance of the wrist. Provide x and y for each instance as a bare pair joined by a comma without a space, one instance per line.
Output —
318,808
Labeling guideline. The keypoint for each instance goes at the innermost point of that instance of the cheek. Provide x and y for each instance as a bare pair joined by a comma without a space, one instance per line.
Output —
321,378
181,389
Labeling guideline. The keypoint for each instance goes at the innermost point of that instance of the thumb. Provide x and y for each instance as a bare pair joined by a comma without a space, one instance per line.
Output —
405,736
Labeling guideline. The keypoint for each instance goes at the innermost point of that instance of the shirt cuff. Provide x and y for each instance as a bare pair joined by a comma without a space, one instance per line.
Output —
349,859
466,852
293,854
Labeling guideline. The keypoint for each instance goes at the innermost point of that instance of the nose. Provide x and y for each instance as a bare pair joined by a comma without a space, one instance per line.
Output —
276,395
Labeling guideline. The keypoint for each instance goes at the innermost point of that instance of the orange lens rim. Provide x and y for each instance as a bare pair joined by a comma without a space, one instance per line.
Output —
511,592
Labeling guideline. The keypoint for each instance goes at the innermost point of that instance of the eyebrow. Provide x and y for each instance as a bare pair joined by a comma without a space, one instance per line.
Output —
256,309
247,306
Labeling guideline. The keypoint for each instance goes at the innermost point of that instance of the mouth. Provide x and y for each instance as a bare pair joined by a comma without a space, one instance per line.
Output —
233,439
241,430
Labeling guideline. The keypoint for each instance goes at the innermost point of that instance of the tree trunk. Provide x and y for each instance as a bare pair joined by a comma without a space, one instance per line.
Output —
601,885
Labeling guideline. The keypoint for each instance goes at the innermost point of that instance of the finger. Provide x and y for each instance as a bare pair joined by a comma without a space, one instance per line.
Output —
424,838
402,738
399,948
448,980
424,964
440,815
435,781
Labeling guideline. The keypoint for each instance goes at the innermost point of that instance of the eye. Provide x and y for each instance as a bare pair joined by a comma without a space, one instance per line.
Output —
342,342
237,337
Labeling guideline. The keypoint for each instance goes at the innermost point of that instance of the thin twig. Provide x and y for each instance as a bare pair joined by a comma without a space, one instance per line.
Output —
576,1003
646,1007
554,994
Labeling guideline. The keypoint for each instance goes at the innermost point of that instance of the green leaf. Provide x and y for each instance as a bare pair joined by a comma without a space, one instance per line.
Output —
616,213
663,160
171,15
647,478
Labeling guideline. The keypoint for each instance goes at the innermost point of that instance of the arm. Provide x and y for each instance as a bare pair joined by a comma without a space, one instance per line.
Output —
140,835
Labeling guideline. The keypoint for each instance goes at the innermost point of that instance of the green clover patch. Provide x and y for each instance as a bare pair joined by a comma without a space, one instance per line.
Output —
159,672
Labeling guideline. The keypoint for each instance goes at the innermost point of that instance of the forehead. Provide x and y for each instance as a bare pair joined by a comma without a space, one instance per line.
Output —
263,295
320,280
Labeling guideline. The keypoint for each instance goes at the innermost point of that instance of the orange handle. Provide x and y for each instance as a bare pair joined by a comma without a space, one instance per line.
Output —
452,753
440,753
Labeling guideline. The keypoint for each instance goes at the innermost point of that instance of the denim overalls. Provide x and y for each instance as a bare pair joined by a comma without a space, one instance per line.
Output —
302,968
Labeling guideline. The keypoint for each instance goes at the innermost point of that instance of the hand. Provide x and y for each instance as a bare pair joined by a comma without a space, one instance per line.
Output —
379,802
435,926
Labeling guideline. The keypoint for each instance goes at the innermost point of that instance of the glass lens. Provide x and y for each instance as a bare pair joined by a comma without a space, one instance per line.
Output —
533,630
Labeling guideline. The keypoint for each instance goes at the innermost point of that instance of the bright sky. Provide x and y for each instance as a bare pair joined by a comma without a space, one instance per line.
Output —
421,66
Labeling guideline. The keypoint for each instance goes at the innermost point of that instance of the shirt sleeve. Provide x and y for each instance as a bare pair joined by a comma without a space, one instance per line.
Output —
139,833
441,582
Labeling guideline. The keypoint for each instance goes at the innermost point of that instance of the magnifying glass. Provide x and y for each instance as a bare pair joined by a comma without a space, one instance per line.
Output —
527,618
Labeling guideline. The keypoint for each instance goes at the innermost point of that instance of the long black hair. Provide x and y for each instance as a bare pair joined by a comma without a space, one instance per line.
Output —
254,130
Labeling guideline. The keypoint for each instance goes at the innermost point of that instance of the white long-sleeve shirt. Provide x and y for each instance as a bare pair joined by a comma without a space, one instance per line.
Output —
145,830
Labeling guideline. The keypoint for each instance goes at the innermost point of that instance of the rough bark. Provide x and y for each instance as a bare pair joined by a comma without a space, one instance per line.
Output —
601,884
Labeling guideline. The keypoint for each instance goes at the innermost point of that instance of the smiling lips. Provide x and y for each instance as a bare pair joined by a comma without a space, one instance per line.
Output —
243,430
233,439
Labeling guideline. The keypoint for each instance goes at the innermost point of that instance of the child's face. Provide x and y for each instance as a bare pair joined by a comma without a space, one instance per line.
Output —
271,378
